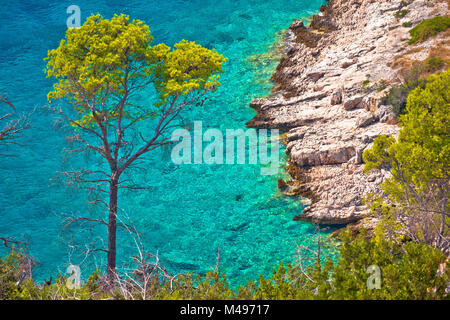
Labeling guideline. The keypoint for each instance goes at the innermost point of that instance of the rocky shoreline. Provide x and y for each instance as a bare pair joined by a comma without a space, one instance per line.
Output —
328,99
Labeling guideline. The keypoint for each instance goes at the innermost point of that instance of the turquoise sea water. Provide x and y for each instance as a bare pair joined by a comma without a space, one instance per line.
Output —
189,211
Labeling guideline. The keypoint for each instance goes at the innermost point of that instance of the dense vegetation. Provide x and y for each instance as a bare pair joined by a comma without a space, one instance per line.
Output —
428,28
417,77
416,204
408,271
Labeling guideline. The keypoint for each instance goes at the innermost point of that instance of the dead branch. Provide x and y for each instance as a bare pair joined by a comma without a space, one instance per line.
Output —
13,126
8,241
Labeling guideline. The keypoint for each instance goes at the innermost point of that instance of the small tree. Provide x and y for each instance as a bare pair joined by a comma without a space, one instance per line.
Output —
419,161
100,68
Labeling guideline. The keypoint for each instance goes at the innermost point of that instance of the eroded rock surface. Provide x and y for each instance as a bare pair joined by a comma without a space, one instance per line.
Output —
328,97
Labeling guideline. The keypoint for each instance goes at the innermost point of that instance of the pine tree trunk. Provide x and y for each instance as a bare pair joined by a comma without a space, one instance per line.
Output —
112,228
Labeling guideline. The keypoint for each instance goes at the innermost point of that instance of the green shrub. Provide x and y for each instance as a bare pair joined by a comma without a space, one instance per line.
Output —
401,14
433,64
408,272
407,24
428,28
415,203
405,3
9,275
397,96
365,84
381,85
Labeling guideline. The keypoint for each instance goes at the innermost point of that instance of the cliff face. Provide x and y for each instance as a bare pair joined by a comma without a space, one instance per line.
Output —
328,97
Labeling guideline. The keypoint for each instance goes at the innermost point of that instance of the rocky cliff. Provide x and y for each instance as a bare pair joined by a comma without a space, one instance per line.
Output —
328,94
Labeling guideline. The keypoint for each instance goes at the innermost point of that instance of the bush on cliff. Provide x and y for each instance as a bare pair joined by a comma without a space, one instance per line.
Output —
416,77
407,271
429,28
398,95
417,194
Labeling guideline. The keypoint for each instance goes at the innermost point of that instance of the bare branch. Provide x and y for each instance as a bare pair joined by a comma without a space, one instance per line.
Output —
12,128
8,241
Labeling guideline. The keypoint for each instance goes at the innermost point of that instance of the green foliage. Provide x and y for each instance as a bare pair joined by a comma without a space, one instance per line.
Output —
190,67
105,59
58,290
380,155
381,85
407,271
407,24
419,160
213,286
428,28
424,141
422,152
9,275
433,64
11,270
405,3
398,95
94,56
365,84
401,14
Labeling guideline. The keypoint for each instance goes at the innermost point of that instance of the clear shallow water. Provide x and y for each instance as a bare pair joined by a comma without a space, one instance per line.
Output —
188,211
